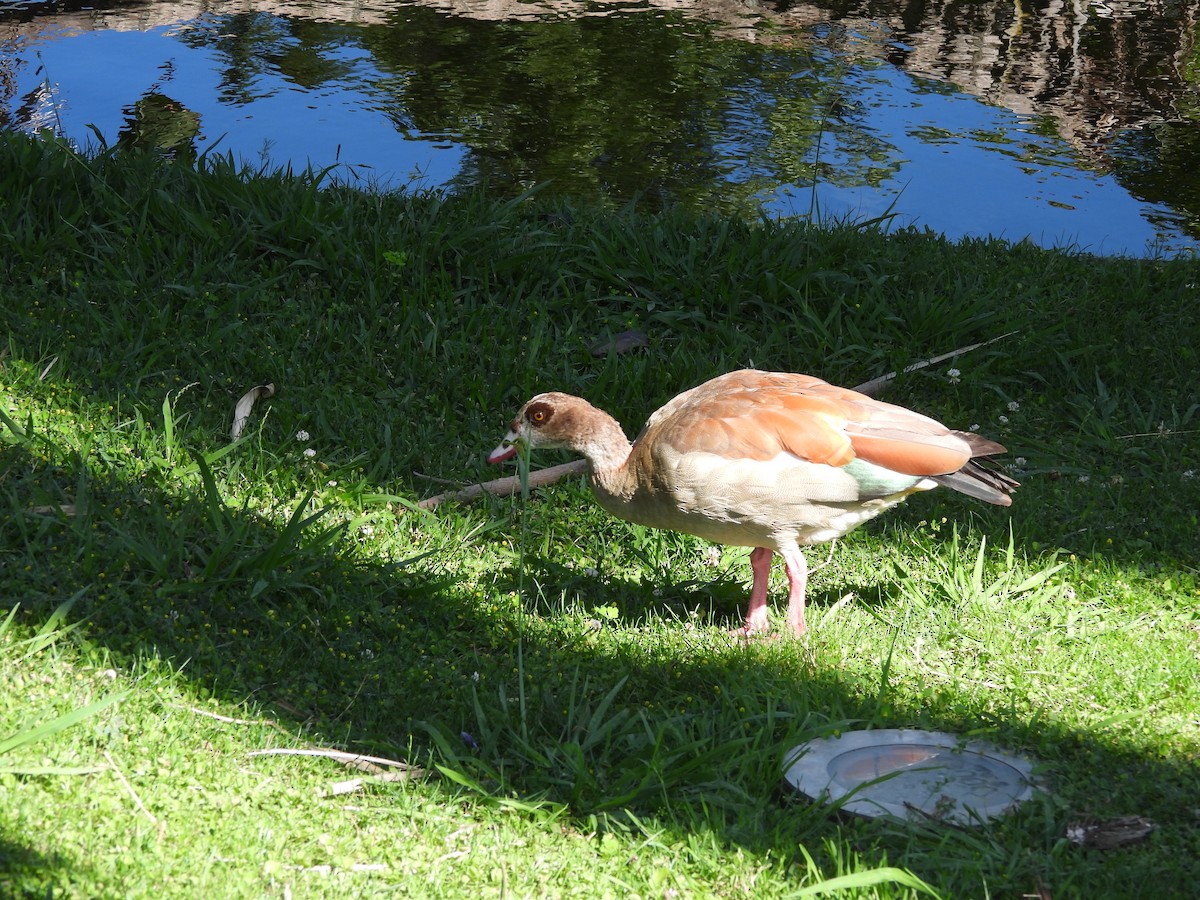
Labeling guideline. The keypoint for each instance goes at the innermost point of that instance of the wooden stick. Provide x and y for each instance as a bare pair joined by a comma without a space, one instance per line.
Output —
64,509
503,487
870,388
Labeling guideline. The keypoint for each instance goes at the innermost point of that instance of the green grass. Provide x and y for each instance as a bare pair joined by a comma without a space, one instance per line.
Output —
562,680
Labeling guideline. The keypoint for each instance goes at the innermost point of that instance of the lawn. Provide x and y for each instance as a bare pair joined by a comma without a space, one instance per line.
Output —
551,698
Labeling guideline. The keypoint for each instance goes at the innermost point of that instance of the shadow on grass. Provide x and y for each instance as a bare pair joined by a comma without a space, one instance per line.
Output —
718,601
561,716
27,875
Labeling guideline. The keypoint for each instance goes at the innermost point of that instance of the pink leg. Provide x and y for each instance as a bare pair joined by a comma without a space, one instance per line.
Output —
757,616
797,573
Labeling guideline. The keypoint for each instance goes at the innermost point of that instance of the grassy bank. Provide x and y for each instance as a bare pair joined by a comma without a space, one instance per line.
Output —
572,718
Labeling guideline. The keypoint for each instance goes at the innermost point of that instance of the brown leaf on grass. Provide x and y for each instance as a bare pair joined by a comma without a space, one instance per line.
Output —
244,406
1109,834
619,343
65,509
354,785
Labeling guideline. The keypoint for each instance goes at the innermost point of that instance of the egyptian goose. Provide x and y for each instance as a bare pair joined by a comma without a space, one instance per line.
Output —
768,460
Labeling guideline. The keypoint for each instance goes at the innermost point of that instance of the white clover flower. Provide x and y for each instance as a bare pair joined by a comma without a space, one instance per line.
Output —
974,427
591,572
1019,461
1003,420
1013,405
310,452
712,556
302,435
1189,473
331,484
474,676
1084,479
954,376
367,530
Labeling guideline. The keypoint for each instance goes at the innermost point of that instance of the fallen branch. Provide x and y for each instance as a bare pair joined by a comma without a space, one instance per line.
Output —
63,509
870,388
503,487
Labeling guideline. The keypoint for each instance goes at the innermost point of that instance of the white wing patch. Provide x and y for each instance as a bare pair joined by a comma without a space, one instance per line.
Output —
783,501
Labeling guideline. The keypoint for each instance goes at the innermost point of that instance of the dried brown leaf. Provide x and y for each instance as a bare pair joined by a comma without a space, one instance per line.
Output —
244,406
1109,834
619,343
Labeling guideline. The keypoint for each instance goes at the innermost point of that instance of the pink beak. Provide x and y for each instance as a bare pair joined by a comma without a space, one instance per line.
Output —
505,451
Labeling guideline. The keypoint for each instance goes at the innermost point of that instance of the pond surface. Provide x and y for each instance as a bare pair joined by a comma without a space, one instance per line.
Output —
1068,124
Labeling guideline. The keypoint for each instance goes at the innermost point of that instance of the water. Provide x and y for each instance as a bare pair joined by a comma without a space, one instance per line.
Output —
1064,125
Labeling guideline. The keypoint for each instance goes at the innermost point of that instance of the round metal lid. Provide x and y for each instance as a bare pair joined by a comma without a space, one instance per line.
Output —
906,773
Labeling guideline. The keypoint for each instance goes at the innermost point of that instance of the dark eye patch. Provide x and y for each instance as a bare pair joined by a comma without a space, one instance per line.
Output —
539,413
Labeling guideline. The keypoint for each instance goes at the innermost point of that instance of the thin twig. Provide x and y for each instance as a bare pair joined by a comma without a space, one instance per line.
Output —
934,817
229,719
828,559
1161,433
837,607
162,828
875,384
945,676
434,478
351,759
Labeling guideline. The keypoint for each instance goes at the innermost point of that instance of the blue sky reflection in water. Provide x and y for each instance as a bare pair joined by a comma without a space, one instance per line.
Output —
877,139
966,168
272,120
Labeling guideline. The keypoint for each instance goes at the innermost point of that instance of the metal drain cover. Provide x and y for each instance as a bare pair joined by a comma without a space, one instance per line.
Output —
906,773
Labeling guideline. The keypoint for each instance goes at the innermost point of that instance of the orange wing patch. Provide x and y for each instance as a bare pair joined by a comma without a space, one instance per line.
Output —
757,415
816,437
757,423
912,456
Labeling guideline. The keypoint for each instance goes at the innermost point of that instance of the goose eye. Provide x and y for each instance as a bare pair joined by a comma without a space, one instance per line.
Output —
538,416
